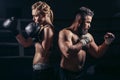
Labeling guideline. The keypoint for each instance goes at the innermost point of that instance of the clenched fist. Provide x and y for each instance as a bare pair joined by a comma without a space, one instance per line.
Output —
85,40
109,37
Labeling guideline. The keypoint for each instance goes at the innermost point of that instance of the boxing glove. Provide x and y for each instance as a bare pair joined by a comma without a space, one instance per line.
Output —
8,22
33,31
85,40
11,24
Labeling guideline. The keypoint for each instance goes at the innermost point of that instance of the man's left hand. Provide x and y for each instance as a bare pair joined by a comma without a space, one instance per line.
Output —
109,37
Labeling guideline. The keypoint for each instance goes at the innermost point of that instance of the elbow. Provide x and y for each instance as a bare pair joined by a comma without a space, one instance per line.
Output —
25,45
98,55
67,56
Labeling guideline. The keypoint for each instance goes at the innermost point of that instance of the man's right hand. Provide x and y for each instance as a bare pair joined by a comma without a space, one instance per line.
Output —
85,40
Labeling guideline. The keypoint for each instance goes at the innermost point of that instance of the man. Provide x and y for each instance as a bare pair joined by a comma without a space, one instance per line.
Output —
40,33
75,41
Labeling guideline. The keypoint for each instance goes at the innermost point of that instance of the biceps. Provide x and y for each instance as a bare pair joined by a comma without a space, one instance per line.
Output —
93,49
24,42
64,47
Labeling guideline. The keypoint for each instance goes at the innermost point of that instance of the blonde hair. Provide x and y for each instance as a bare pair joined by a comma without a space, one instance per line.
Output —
44,8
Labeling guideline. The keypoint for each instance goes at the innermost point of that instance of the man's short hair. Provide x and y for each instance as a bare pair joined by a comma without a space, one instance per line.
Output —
84,11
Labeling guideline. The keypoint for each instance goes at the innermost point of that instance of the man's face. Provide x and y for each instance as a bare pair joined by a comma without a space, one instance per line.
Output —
37,16
85,24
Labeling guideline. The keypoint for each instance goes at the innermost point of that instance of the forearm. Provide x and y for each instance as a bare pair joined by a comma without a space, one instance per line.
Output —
109,37
75,48
24,42
102,49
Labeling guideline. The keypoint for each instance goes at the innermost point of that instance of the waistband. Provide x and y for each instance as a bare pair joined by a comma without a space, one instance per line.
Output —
41,66
71,72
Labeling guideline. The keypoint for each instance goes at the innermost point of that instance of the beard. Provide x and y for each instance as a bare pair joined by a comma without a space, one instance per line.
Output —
84,31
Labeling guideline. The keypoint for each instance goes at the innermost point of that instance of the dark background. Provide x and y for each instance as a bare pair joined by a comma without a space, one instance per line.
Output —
106,19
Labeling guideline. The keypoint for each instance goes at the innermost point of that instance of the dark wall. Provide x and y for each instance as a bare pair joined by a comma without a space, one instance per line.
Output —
62,8
106,18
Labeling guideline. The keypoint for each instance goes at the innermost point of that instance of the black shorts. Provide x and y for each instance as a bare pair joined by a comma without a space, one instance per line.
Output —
70,75
43,71
45,74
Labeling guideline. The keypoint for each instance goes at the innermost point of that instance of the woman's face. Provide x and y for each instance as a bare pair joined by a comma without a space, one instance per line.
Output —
38,17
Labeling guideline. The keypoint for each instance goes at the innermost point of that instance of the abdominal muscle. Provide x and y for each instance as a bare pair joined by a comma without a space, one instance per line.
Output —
40,57
74,63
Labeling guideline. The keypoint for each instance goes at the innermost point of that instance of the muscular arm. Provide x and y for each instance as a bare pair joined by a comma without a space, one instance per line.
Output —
24,42
66,45
95,50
